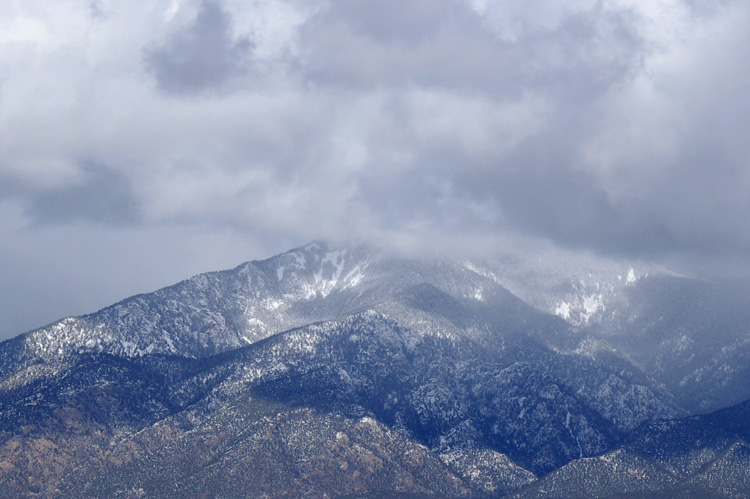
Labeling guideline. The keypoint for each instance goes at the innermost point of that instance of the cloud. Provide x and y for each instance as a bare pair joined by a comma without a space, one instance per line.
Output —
615,126
104,196
202,56
451,46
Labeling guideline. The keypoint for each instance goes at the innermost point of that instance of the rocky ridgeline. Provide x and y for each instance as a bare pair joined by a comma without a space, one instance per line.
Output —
347,372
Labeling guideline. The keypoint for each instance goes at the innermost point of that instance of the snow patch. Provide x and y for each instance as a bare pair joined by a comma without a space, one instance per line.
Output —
168,341
591,305
563,310
271,304
581,310
368,421
631,276
354,277
483,272
323,283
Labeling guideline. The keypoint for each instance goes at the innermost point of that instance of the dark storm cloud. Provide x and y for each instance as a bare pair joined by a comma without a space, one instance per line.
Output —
541,193
202,56
104,196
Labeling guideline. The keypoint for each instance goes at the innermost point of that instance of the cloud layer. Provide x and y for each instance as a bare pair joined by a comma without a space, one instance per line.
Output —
210,132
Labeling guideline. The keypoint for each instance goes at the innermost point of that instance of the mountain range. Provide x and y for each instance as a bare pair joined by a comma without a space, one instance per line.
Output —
347,371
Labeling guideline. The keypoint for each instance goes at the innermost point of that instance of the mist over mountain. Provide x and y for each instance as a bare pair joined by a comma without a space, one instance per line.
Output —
152,140
346,370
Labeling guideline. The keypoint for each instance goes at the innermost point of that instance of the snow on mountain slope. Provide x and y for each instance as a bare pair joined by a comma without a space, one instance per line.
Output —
691,335
686,334
492,388
581,288
212,312
220,311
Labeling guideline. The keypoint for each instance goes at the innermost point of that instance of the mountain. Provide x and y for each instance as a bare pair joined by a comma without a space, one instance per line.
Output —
688,334
697,456
346,371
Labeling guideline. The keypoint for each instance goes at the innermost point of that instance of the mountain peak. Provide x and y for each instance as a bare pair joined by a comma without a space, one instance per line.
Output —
345,358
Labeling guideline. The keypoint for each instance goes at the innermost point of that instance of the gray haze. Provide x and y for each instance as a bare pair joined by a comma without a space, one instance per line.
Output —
142,142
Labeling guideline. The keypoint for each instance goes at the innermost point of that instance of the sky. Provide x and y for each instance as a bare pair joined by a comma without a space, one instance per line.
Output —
146,141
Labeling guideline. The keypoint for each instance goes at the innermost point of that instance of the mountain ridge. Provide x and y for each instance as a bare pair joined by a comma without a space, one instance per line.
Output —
437,358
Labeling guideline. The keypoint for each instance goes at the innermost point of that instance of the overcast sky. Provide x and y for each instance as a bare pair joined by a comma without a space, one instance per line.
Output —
144,141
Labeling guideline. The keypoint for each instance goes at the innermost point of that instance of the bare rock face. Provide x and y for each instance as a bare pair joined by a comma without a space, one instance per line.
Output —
328,372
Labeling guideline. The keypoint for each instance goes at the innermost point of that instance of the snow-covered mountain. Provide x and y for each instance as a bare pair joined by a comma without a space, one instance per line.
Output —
391,374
